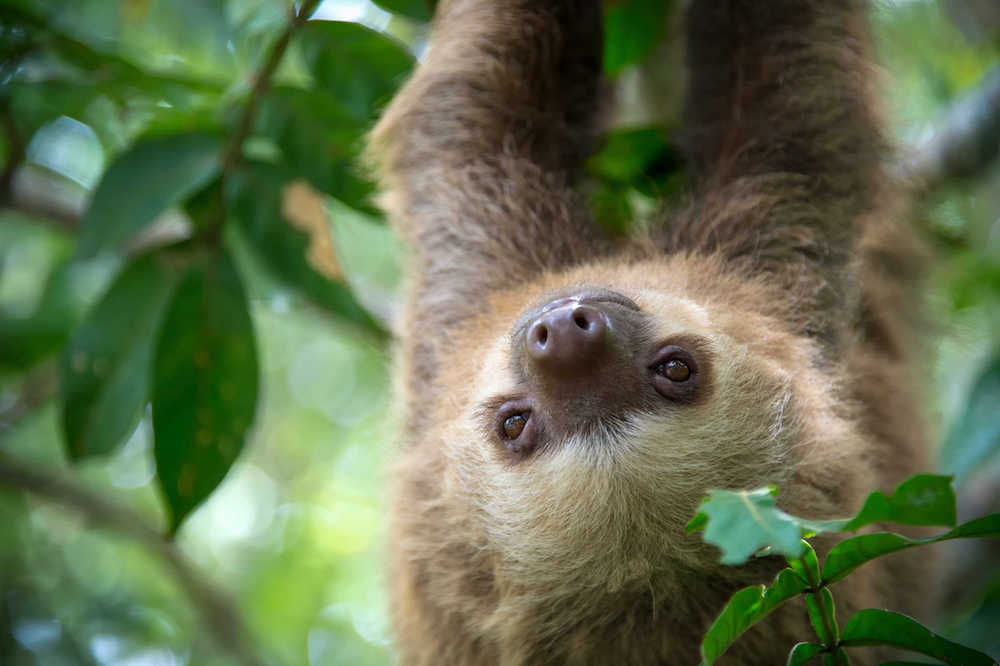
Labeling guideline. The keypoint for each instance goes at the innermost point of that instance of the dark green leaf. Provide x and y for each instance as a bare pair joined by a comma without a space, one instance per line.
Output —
631,29
881,627
851,553
975,437
359,67
204,384
319,140
255,194
823,615
924,499
106,365
745,609
743,522
417,9
144,181
802,653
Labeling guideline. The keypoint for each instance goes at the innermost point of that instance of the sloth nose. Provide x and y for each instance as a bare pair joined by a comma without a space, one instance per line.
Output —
562,339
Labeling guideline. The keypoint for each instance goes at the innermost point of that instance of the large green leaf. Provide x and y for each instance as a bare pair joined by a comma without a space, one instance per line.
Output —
106,365
359,67
742,522
851,553
204,384
152,175
745,609
975,437
255,194
881,627
631,29
924,499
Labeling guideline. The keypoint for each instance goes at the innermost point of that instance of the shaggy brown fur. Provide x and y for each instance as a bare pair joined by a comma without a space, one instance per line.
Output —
787,266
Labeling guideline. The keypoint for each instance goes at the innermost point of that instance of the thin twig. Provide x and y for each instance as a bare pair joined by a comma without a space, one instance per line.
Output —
217,610
262,81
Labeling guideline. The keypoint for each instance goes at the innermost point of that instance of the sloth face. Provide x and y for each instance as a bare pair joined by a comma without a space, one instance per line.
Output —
605,409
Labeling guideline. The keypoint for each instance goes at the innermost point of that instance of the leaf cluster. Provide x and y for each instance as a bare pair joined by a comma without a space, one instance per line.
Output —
745,524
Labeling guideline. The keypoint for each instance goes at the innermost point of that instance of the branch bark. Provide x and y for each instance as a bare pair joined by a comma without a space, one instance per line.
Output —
220,616
966,142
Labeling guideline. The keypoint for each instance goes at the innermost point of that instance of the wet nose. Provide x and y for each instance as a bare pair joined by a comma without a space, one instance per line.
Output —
567,338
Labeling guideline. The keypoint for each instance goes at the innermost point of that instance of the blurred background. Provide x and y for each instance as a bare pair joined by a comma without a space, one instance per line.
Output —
197,296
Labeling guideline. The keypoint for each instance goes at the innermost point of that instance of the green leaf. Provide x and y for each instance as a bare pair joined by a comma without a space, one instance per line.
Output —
745,609
803,652
358,66
818,605
924,499
204,384
851,553
152,175
807,566
881,627
742,522
255,194
416,9
975,436
319,140
631,29
106,365
630,153
69,290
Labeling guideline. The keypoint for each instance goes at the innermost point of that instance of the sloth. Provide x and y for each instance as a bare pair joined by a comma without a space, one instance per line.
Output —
568,398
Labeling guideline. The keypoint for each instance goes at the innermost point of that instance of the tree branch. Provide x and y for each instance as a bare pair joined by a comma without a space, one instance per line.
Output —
220,616
966,142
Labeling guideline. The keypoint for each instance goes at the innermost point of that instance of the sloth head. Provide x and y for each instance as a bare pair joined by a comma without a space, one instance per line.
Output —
599,406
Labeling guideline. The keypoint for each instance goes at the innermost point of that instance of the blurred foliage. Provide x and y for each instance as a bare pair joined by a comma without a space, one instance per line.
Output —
195,288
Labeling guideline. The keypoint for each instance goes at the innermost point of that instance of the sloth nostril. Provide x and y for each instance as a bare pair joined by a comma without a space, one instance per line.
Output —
581,320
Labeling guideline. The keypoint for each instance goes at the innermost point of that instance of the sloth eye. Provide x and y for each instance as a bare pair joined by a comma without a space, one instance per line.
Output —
676,375
675,370
513,426
516,427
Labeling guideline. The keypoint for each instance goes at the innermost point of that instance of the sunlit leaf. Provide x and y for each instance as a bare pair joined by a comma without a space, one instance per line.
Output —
358,66
881,627
742,522
106,365
802,653
975,437
851,553
631,29
745,609
204,384
144,181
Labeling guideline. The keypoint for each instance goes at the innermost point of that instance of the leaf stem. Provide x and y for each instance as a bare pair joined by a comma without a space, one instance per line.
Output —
233,151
